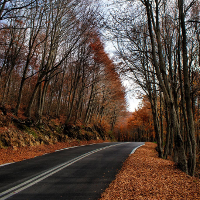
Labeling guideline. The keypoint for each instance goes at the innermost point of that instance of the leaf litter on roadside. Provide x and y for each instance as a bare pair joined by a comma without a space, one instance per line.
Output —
145,176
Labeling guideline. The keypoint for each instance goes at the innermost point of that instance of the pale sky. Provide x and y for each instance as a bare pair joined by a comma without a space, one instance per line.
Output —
132,101
133,104
131,97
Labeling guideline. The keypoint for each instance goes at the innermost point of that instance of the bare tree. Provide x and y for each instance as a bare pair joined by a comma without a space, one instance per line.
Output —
152,52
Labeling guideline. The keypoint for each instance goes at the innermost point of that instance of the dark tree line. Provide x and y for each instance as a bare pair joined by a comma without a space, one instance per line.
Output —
158,46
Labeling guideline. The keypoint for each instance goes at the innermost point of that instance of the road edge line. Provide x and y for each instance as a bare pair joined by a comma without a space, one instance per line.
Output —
133,151
24,185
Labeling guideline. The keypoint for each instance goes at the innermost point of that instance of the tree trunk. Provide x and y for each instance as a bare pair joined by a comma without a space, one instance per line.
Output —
21,88
28,110
179,145
160,68
187,90
161,121
89,104
60,95
41,100
168,130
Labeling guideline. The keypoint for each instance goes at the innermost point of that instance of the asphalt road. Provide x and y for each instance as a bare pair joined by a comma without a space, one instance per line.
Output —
75,173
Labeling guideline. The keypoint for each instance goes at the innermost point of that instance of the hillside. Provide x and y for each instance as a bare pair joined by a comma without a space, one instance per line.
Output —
18,132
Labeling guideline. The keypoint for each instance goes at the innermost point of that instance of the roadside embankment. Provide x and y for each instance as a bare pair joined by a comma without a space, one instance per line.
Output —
16,132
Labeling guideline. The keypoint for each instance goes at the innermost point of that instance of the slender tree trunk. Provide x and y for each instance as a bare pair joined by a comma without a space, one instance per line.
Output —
5,88
41,100
89,104
187,90
21,88
60,95
29,108
79,102
76,81
168,130
157,131
161,121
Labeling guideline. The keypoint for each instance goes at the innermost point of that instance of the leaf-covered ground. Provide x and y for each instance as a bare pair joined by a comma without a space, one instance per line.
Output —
145,176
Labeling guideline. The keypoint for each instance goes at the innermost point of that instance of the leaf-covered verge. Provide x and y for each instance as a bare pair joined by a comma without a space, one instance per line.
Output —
145,176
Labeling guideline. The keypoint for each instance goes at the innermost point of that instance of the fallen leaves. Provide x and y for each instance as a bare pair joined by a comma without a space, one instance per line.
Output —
21,153
145,176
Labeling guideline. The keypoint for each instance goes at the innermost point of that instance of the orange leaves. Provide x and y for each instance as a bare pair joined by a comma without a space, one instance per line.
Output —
112,92
140,123
20,153
145,176
105,125
99,54
142,118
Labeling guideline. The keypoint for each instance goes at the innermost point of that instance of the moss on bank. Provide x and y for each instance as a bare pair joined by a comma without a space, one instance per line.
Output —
15,132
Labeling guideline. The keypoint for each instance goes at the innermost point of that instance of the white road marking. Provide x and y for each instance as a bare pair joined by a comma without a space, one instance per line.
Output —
18,188
6,164
136,149
48,153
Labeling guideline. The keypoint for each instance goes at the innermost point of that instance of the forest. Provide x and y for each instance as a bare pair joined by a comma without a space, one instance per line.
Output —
53,65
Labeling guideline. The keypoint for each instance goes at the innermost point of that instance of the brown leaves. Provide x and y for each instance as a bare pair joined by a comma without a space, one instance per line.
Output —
145,176
20,153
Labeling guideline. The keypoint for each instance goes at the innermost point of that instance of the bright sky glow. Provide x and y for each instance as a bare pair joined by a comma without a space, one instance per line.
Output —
131,97
132,103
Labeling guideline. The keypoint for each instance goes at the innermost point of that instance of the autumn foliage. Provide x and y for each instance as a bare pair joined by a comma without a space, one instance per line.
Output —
53,65
136,126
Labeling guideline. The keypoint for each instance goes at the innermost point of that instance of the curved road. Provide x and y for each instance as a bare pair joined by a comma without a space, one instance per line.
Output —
74,173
